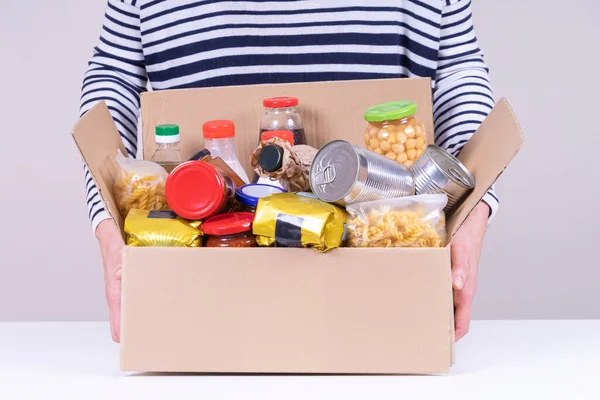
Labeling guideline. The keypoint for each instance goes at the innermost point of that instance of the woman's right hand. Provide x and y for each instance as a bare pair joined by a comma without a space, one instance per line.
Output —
111,246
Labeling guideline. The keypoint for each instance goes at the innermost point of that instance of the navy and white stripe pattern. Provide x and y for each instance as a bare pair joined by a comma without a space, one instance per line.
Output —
183,44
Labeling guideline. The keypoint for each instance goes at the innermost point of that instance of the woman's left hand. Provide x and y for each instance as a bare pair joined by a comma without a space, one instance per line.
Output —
466,251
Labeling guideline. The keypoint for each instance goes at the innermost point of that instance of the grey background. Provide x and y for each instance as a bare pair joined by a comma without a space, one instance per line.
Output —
538,262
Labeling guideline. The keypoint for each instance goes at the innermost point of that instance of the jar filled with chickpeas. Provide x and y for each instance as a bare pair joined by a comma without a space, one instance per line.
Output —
395,133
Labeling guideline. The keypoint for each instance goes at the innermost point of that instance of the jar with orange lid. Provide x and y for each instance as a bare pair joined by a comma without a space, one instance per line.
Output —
197,190
395,133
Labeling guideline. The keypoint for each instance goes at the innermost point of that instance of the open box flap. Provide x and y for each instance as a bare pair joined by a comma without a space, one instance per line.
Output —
98,140
486,155
329,110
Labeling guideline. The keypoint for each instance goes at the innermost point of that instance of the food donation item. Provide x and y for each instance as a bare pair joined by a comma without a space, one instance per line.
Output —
140,185
197,190
345,174
219,139
276,160
438,171
416,221
289,220
167,153
394,132
249,195
160,229
230,230
281,113
288,136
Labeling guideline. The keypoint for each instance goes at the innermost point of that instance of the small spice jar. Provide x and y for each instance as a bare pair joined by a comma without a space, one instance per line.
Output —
247,196
395,133
229,230
196,190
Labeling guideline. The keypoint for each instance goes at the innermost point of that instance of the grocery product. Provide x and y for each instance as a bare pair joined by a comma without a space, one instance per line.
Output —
219,139
416,221
288,136
438,171
202,155
160,229
230,230
167,153
276,160
281,113
394,132
247,196
198,190
140,184
342,173
289,220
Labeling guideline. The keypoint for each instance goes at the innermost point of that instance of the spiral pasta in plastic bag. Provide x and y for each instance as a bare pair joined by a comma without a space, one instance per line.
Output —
140,185
415,221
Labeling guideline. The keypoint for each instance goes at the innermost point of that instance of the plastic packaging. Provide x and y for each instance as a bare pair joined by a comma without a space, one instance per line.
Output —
140,185
167,153
281,113
230,230
415,221
289,220
219,139
160,229
395,133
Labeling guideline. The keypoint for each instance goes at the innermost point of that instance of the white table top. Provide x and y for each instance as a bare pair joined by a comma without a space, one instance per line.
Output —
498,359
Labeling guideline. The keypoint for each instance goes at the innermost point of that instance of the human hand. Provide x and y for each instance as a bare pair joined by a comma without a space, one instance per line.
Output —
466,251
111,246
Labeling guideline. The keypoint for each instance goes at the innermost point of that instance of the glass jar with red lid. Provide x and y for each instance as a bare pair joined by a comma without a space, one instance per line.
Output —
229,230
281,114
197,190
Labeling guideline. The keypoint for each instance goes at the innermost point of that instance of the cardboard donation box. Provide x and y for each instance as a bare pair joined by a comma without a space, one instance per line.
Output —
278,310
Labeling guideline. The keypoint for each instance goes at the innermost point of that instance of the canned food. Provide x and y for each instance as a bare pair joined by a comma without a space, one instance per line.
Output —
438,171
344,174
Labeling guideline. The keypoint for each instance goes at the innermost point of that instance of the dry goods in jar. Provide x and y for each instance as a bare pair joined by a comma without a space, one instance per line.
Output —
395,133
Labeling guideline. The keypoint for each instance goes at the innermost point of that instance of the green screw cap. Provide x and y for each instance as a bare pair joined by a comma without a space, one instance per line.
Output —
391,111
167,130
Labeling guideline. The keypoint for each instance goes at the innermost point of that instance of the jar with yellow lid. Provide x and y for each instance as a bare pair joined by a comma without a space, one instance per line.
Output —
395,133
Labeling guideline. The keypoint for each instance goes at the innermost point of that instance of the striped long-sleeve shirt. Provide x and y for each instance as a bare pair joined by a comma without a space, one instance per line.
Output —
198,43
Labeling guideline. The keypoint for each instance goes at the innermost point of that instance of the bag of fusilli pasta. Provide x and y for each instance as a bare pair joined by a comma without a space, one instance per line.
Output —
415,221
140,185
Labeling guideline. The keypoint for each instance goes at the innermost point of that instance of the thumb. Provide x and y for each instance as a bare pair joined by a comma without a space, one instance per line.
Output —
460,265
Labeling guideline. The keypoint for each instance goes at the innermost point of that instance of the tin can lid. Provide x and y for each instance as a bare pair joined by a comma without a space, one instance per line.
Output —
251,193
450,166
391,111
334,171
195,190
228,224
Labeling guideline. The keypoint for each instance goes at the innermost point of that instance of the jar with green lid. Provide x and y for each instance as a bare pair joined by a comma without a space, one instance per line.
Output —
394,132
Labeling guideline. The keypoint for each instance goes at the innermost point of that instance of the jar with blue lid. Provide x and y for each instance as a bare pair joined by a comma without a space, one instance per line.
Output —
247,196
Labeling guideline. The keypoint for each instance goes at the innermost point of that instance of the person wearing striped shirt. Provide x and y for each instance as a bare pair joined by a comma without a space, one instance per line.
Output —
171,44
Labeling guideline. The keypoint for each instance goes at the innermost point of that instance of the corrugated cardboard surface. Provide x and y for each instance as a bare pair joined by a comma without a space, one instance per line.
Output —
286,311
329,110
289,310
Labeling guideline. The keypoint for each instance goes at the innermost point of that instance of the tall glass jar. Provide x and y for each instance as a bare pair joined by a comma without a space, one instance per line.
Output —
395,133
281,114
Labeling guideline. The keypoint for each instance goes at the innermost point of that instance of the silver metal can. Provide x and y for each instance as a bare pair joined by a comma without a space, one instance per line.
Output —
345,174
437,172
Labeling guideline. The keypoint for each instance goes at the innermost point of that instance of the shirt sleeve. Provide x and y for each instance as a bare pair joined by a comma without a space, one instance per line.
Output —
462,93
116,74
